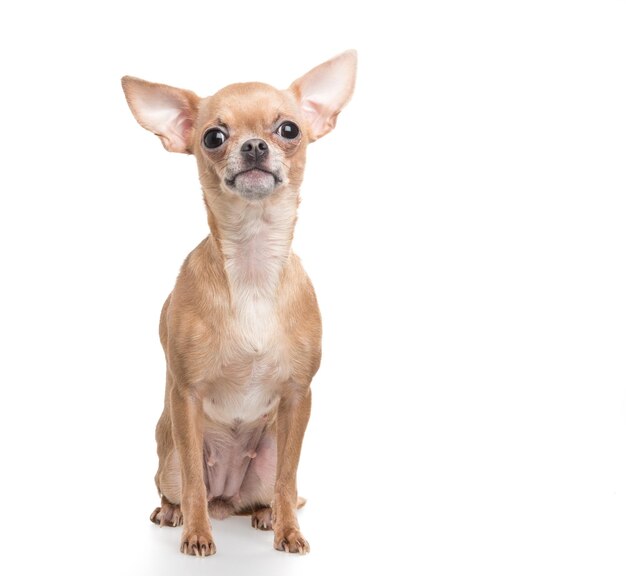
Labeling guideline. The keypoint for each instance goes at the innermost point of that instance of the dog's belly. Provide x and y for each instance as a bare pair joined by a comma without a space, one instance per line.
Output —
239,466
239,442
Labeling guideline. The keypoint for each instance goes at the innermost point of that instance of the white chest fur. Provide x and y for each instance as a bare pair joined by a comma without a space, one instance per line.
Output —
244,401
256,242
256,246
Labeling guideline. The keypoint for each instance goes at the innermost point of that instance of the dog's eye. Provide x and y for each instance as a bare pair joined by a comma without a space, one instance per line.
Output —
214,138
288,130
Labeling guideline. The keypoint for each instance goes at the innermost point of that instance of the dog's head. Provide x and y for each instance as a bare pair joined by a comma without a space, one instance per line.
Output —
249,139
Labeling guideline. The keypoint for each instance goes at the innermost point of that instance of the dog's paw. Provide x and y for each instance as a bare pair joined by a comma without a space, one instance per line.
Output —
167,514
262,519
290,540
197,543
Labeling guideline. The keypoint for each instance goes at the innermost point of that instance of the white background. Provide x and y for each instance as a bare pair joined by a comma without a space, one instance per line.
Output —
464,227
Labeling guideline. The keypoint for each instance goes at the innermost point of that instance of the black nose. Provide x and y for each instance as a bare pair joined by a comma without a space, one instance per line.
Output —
254,148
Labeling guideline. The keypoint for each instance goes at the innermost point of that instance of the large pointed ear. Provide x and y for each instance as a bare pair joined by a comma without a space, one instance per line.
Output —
324,91
167,111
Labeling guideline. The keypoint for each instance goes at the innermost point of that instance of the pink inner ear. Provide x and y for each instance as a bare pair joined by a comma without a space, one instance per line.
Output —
324,91
319,117
166,111
178,132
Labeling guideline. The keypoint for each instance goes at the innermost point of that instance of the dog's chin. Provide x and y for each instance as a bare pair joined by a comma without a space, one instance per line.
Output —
254,184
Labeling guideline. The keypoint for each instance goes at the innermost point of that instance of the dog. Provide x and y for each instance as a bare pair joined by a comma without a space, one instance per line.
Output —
241,330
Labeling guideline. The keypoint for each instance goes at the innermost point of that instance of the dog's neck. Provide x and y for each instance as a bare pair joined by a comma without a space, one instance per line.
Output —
254,240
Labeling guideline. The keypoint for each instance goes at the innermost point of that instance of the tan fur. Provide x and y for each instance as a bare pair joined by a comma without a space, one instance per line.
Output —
241,330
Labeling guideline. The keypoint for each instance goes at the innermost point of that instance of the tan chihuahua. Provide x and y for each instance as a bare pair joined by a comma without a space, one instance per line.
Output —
241,330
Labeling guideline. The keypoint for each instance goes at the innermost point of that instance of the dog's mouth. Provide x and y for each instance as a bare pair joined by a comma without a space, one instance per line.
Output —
254,182
254,172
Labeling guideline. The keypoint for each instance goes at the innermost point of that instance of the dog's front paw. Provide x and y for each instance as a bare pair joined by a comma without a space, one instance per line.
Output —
197,543
290,540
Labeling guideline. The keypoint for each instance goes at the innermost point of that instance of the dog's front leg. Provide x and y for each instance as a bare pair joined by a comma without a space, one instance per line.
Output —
293,416
187,417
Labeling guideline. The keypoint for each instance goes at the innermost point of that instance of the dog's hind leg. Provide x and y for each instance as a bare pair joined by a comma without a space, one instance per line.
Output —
262,516
168,476
167,514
